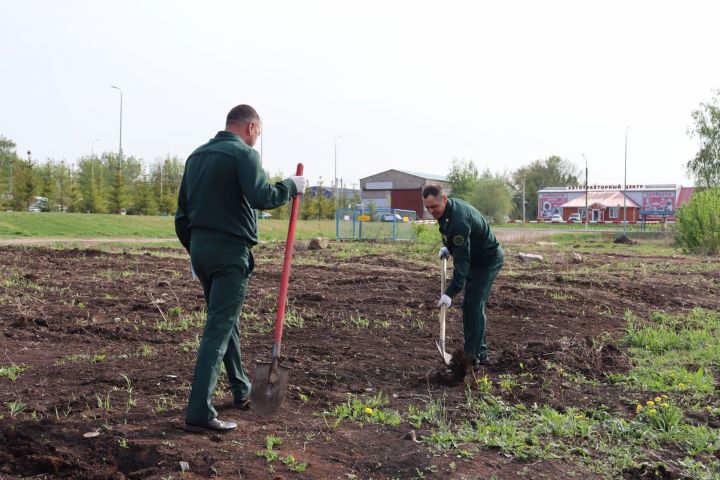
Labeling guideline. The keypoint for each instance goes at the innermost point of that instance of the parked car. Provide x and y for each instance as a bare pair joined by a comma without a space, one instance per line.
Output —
388,217
557,218
574,218
264,215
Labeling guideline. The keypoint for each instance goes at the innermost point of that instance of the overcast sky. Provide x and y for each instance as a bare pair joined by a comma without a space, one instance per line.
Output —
408,85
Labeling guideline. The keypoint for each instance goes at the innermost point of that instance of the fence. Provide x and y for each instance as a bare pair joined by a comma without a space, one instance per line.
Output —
377,224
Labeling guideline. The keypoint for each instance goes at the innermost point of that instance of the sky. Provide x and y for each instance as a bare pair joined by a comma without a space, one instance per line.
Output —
360,87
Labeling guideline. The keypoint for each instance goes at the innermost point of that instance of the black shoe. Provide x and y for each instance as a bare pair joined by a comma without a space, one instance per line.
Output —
213,425
482,361
243,404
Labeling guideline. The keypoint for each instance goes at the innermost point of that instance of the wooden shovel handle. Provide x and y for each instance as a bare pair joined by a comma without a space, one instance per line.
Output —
443,308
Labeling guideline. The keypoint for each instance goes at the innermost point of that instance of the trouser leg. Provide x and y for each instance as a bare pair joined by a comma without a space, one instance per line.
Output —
477,291
225,293
237,376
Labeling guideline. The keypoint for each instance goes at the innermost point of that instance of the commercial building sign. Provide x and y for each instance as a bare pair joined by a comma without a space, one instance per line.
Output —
549,204
604,187
659,201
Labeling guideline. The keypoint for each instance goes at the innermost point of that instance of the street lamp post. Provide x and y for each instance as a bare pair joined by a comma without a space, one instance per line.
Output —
523,201
587,214
336,177
121,106
625,187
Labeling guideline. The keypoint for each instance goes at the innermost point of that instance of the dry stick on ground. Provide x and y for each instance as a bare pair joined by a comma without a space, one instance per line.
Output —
155,302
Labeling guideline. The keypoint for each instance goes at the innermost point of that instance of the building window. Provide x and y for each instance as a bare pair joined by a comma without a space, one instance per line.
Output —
614,212
582,212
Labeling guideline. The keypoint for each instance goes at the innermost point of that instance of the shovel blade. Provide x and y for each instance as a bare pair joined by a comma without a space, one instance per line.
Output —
268,388
445,356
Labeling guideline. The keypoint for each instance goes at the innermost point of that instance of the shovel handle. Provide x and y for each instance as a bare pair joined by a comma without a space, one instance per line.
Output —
443,308
285,278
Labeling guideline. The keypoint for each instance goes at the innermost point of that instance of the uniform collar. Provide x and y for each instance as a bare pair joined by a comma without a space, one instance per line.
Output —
448,211
225,135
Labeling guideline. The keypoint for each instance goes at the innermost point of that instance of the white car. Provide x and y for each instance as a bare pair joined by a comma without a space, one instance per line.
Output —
557,218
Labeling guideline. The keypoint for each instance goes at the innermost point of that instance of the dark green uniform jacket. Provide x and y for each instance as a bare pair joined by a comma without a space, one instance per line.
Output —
466,233
222,186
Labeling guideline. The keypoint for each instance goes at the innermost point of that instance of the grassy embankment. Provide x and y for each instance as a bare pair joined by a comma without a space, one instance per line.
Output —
98,226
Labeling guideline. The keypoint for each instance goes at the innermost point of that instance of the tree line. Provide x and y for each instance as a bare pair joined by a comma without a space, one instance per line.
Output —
106,183
110,183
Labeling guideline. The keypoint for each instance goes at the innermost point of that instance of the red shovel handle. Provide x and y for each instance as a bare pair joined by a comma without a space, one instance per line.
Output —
285,279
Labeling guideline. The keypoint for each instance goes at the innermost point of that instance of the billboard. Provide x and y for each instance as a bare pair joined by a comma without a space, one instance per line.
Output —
549,204
659,202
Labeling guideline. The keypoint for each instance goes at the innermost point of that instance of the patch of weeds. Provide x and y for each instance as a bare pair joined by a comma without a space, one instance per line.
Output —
16,407
356,322
293,319
164,403
12,371
434,414
673,353
560,297
383,323
191,345
368,410
176,322
269,454
293,464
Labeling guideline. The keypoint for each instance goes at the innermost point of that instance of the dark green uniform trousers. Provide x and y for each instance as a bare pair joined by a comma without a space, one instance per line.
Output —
223,268
477,289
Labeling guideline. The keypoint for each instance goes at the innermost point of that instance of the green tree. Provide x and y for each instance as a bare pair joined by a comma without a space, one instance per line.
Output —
698,223
144,200
166,175
705,165
463,178
493,196
552,171
89,185
25,183
124,173
8,160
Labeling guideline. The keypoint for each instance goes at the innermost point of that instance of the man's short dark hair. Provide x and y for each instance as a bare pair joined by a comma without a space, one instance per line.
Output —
242,114
434,190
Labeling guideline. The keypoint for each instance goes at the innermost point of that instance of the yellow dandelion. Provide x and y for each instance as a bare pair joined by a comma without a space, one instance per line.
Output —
650,403
658,399
681,385
638,408
652,410
664,405
369,410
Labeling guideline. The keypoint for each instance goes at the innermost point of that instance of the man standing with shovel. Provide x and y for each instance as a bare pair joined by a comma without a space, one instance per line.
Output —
477,259
216,221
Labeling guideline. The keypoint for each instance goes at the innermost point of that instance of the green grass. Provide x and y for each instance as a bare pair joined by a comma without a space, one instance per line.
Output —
86,225
674,353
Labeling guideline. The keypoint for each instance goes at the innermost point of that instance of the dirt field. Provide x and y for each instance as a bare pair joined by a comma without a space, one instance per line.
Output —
109,340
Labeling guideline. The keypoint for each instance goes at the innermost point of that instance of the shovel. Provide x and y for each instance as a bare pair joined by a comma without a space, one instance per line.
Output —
440,342
271,379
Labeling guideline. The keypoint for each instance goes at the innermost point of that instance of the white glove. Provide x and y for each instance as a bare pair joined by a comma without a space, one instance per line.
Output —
444,300
444,253
300,183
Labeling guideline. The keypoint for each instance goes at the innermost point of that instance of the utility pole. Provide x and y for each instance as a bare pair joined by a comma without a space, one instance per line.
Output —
625,187
336,177
523,209
587,214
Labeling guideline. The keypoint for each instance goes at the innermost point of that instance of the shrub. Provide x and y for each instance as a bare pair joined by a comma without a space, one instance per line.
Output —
698,223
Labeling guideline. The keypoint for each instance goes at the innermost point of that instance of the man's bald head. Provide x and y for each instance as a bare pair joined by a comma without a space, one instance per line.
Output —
244,122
